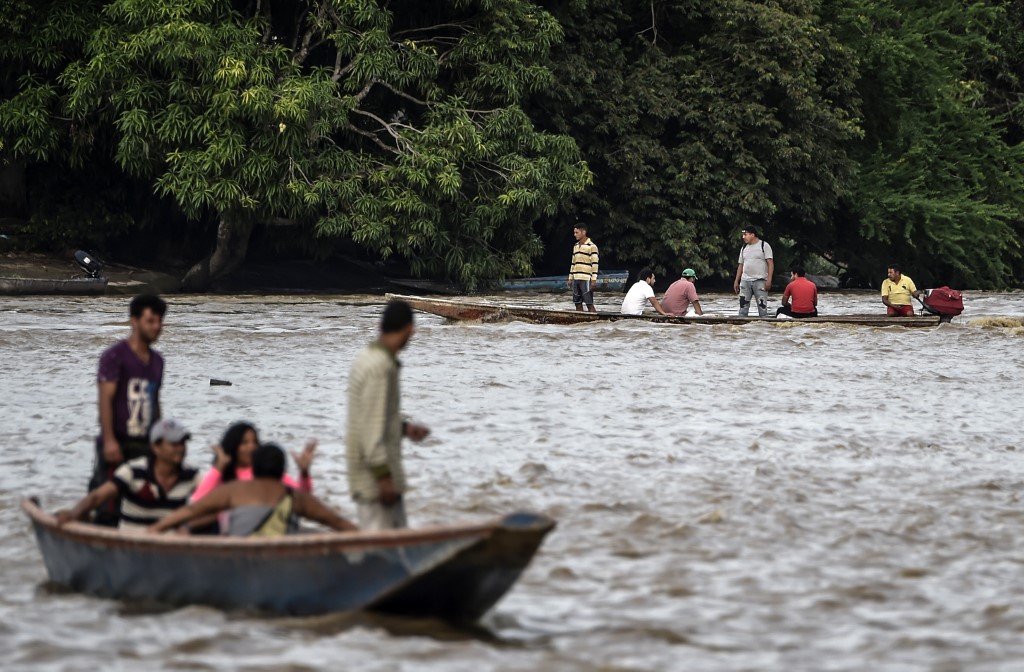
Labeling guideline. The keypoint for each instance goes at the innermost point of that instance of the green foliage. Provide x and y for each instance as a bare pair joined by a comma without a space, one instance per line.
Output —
396,126
940,185
698,118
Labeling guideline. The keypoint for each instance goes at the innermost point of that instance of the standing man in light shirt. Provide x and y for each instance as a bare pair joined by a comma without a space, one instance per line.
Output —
681,296
583,270
373,443
129,379
640,294
896,292
754,273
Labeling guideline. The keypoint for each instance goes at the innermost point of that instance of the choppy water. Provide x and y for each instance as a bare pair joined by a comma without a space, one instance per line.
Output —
729,498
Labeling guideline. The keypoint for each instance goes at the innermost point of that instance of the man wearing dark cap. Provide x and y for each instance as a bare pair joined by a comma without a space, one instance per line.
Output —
373,442
149,487
754,273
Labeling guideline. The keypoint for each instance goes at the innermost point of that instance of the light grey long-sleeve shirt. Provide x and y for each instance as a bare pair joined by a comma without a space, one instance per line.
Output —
373,443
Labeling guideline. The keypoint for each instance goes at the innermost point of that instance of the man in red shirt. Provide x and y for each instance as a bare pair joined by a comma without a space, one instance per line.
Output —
800,298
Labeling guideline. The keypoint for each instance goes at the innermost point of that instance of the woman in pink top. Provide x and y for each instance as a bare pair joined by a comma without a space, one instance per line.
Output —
234,461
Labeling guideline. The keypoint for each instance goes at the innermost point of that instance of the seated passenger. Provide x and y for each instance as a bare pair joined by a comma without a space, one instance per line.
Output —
801,296
150,487
234,461
263,506
681,297
640,294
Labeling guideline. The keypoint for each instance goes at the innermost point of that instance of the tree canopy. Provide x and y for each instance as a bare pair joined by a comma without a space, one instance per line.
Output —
462,136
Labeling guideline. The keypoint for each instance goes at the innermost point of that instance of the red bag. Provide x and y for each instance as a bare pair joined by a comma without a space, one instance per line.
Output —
944,301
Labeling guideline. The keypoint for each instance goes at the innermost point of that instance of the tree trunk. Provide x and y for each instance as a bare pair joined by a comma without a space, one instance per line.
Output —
232,243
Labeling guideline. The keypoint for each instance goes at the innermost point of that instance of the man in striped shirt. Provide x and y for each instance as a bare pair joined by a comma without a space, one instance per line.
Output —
150,487
583,271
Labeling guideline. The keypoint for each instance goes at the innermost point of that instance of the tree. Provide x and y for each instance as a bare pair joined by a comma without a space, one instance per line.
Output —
698,118
940,179
394,124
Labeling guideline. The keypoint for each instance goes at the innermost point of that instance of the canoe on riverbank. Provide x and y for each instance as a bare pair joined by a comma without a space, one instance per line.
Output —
612,281
455,573
502,312
30,286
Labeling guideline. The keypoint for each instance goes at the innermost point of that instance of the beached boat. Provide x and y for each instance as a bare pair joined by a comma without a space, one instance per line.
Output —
612,281
503,312
455,573
30,286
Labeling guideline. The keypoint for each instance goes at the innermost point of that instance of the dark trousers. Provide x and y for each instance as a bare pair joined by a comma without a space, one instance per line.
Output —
788,310
109,515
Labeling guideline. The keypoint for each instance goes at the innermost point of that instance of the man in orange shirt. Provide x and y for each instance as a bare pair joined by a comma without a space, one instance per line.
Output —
801,296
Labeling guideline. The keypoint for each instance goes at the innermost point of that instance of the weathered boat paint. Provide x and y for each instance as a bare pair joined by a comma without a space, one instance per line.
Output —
454,573
612,281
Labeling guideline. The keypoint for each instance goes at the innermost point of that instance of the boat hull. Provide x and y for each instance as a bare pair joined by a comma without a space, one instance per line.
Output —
500,312
33,286
455,573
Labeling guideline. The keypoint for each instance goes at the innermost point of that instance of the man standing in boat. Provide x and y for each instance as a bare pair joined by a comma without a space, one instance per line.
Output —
583,270
373,443
754,273
129,379
896,292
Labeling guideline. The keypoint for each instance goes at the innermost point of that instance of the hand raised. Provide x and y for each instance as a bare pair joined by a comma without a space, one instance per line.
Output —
221,458
304,460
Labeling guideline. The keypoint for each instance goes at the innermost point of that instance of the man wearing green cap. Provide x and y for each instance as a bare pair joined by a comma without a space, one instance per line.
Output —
681,295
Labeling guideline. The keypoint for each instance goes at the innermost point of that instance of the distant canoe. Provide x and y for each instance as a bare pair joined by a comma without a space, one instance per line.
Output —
30,286
502,312
612,281
455,573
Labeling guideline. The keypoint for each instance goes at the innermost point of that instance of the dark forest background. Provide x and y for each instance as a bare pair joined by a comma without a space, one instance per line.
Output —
461,140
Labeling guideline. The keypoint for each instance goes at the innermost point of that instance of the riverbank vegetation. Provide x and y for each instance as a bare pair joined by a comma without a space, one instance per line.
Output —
466,137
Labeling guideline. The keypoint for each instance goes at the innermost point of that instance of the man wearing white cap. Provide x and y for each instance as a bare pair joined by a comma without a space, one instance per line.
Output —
150,487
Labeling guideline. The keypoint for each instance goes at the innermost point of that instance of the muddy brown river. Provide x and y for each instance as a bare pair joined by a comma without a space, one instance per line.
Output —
764,497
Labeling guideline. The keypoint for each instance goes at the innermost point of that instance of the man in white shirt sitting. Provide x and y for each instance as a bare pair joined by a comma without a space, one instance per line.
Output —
640,294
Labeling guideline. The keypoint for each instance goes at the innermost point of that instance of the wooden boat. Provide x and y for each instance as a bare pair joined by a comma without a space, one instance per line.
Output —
612,281
502,312
30,286
455,573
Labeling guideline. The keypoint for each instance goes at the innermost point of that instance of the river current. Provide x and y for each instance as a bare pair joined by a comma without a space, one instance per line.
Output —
785,497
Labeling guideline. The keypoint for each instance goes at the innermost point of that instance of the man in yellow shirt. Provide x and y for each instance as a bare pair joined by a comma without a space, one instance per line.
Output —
583,271
896,292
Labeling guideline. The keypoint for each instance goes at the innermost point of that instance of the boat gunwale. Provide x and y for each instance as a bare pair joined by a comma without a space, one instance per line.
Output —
299,544
582,317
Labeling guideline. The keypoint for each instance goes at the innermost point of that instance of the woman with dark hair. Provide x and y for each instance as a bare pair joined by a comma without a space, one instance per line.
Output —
234,461
261,507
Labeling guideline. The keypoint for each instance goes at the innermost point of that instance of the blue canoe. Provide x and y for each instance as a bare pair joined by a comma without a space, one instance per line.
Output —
611,281
455,573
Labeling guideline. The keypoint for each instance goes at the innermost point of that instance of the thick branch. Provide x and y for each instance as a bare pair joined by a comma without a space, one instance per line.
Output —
373,136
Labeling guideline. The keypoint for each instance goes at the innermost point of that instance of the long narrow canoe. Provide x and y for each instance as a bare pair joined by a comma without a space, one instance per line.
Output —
30,286
502,312
611,281
455,573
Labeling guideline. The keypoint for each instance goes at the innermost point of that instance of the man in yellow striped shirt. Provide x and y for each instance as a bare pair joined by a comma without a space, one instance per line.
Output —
583,271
